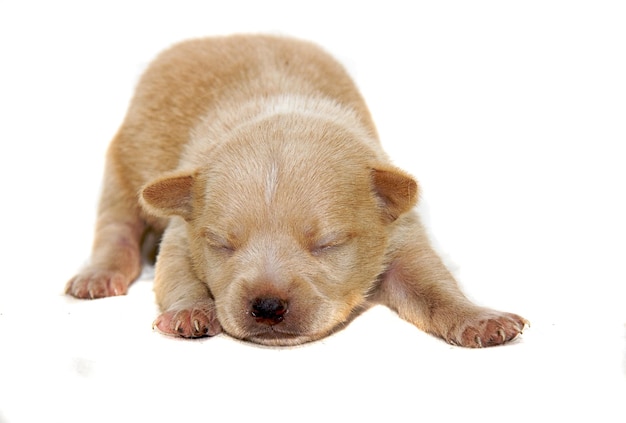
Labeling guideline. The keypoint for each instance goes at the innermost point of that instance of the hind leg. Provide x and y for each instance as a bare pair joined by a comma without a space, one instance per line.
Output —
116,254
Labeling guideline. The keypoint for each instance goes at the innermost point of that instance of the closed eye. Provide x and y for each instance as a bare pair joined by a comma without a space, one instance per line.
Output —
219,243
330,243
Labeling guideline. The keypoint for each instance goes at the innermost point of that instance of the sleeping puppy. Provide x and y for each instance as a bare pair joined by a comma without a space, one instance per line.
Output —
281,217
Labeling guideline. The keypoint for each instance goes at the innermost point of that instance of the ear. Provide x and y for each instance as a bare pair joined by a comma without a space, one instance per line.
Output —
169,195
396,190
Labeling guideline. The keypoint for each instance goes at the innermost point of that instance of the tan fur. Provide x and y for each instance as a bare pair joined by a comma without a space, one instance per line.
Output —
282,215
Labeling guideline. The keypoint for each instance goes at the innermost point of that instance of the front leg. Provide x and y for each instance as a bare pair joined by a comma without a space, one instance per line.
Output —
420,288
116,257
185,301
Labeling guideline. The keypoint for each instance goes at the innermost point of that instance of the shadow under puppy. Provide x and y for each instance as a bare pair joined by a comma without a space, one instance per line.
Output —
281,215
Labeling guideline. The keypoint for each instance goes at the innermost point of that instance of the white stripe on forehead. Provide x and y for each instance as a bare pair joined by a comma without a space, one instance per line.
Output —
271,182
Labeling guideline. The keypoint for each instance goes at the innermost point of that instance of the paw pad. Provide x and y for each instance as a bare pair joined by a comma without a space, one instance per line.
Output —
488,329
194,322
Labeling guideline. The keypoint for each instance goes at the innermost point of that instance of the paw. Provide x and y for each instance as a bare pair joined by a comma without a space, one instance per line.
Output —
95,283
488,328
196,321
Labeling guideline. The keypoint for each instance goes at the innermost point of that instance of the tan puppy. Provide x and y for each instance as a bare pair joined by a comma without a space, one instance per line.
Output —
282,215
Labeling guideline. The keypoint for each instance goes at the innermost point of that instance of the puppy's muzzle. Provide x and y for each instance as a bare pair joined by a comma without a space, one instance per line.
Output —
269,311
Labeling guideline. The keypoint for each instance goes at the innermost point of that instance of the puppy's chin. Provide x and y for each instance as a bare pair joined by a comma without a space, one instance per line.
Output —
274,337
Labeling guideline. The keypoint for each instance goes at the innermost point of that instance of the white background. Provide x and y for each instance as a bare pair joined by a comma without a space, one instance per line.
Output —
512,115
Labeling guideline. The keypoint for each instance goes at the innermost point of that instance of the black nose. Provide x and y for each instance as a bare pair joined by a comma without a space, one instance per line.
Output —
269,311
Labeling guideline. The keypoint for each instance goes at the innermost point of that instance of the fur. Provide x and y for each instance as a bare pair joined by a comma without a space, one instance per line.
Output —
281,216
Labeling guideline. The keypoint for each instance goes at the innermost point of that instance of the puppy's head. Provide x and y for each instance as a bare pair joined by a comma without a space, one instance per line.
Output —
288,227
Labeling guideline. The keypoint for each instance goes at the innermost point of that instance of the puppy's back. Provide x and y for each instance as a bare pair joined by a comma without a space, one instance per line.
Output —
186,81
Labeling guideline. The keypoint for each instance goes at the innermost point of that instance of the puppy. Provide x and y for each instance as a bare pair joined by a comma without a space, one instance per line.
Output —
281,217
